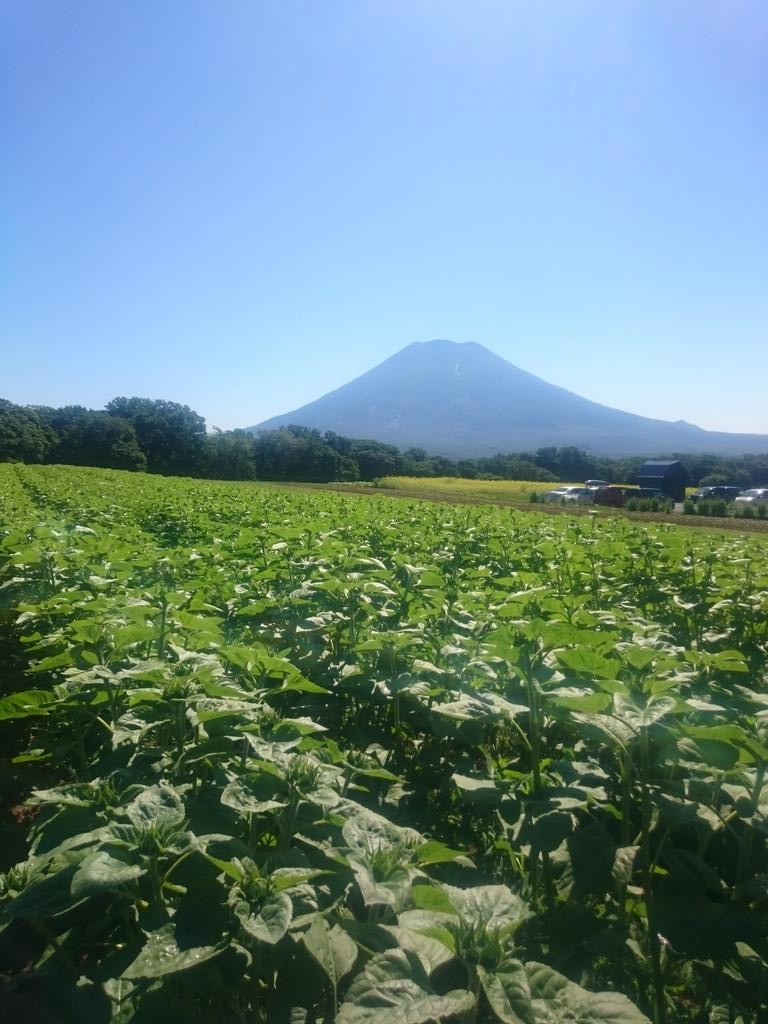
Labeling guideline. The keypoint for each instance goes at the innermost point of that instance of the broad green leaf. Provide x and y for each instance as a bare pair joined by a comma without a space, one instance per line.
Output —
246,658
588,662
730,661
392,890
43,896
63,660
638,657
493,907
639,716
287,727
133,634
556,1000
26,704
507,991
158,804
161,955
606,726
251,794
432,951
437,923
433,852
365,831
546,830
298,684
488,706
394,988
101,872
270,921
574,700
714,753
432,897
333,949
76,794
479,791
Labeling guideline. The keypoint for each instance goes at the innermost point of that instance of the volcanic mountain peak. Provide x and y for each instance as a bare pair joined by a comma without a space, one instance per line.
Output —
459,399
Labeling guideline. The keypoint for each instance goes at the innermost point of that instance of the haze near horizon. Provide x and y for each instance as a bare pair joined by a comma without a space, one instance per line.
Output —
243,208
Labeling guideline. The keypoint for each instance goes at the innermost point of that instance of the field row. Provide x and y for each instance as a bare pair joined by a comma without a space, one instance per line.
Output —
441,763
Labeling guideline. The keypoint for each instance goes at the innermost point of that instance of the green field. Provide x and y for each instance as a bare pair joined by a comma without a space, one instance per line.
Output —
494,490
273,755
501,491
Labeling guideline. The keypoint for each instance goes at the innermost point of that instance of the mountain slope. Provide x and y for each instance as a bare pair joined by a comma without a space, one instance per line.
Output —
463,400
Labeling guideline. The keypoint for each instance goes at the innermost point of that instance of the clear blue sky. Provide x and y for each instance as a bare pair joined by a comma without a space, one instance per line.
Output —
240,205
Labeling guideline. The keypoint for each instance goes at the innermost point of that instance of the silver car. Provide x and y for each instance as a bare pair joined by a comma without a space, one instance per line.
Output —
569,494
756,494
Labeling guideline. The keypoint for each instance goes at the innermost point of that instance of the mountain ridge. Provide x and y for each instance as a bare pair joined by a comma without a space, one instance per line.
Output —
460,399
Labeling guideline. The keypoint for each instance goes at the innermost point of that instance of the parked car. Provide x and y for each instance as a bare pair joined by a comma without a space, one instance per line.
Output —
717,491
568,494
611,495
597,483
753,496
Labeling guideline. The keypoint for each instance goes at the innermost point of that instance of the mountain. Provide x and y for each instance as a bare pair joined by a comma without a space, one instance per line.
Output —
462,400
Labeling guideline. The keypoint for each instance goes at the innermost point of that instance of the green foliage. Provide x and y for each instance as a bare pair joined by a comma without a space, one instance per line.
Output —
750,510
230,455
165,437
171,436
299,756
86,438
23,437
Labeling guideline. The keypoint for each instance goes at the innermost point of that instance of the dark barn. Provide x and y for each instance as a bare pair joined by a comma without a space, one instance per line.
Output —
667,476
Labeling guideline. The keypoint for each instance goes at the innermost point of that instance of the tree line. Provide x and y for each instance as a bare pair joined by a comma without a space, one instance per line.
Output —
157,436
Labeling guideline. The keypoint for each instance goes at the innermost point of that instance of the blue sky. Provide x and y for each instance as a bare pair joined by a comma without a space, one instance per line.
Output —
242,205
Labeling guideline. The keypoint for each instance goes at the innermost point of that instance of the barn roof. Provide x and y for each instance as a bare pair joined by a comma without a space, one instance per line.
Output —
659,467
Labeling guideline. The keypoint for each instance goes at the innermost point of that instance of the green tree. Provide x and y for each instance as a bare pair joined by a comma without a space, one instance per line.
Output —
23,436
297,453
230,455
172,436
97,439
376,459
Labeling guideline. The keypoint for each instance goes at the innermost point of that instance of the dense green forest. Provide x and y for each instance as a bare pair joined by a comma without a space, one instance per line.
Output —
165,437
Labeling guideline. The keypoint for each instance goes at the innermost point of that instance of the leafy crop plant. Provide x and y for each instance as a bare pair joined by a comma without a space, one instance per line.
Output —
302,757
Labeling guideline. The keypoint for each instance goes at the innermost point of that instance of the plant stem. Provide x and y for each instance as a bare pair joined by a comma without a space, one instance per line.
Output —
626,795
660,1009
